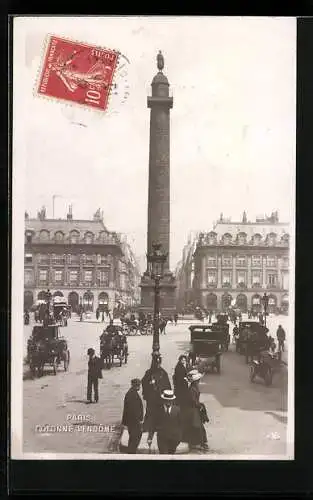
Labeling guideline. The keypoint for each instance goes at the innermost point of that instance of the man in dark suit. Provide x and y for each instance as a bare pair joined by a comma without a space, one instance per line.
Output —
133,415
168,424
94,373
154,382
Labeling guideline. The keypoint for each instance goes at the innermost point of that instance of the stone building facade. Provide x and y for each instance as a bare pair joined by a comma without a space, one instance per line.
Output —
185,274
80,260
236,262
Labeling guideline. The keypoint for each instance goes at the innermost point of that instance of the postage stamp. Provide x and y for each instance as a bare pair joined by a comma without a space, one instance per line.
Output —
78,73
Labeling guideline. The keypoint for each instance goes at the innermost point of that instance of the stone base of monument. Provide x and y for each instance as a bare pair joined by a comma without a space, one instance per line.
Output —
143,447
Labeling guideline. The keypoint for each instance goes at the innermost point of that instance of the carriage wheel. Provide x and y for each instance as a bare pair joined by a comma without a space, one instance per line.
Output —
55,365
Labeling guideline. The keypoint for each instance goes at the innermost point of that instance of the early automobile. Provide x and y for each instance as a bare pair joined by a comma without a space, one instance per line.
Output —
206,348
46,347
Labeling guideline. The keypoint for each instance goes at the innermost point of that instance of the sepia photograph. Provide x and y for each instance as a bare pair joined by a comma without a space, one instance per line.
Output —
153,238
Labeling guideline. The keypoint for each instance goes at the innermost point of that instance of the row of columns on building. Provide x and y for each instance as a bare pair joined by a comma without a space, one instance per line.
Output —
236,268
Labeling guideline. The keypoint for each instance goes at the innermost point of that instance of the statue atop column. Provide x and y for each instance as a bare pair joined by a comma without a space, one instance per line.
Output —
160,61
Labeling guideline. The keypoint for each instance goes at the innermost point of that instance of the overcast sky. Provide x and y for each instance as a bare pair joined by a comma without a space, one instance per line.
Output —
232,123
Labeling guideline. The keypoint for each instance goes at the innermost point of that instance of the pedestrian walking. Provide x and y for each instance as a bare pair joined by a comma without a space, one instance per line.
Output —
97,313
281,337
154,382
94,373
168,424
175,318
133,415
197,415
180,381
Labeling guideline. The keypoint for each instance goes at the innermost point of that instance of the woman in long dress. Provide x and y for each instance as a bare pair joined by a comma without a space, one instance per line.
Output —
196,430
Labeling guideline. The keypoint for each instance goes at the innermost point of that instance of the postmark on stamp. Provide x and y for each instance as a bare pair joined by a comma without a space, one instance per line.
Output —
77,72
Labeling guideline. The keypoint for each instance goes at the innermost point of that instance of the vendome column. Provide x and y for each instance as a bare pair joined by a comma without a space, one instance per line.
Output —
159,191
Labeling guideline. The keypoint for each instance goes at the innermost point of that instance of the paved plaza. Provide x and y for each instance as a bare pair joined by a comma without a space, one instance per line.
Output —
245,418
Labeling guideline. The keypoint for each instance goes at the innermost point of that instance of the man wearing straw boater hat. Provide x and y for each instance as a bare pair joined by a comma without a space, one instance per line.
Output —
168,424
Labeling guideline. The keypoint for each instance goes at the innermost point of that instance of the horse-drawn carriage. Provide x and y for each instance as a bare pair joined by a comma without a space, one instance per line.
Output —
130,326
60,311
252,338
206,348
113,345
46,347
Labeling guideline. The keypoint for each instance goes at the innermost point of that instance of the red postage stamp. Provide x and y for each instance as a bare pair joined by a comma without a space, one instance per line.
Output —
78,72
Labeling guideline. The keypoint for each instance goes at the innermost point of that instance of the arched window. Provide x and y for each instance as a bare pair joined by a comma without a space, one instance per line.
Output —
271,239
89,237
211,238
44,235
285,239
242,238
74,236
59,236
256,239
103,236
226,239
28,236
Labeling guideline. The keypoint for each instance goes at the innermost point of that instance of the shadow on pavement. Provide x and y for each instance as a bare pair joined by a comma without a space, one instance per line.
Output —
232,388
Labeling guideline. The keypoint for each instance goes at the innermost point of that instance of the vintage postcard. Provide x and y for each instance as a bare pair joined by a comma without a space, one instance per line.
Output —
153,265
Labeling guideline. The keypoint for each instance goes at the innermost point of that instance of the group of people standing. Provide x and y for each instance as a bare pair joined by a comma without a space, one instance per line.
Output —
174,415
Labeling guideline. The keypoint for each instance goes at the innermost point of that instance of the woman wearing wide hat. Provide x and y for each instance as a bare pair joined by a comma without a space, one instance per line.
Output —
180,381
196,433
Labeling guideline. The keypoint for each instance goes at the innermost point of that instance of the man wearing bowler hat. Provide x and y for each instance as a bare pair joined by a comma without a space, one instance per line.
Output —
168,424
94,373
133,415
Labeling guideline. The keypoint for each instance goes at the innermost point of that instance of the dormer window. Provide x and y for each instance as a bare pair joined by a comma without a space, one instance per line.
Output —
74,237
59,236
256,239
242,238
271,239
285,239
212,238
44,235
89,238
28,236
226,239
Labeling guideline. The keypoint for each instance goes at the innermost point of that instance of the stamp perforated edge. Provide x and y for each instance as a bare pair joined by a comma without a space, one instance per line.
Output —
66,102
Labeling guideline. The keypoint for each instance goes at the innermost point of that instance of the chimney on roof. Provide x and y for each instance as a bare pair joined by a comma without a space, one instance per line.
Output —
26,215
98,216
244,217
70,213
42,214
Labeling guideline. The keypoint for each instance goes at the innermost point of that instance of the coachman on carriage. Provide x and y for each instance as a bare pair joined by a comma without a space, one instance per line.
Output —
46,347
113,343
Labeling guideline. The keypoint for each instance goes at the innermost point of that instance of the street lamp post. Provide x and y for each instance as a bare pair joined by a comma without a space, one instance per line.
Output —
265,305
156,260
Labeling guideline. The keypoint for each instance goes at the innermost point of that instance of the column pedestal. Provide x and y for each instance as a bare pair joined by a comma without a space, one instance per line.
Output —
167,295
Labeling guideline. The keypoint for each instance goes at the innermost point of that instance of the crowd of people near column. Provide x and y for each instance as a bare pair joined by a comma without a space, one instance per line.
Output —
175,414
